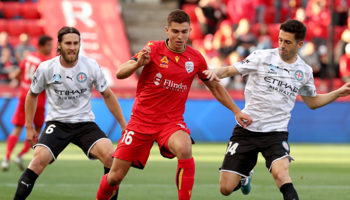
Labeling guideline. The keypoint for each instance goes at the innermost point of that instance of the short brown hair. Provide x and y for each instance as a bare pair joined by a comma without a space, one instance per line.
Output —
296,27
178,16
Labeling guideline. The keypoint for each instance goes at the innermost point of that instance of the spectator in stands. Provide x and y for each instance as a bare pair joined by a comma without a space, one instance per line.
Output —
4,43
323,52
8,64
309,54
237,10
245,39
341,9
224,39
209,14
263,40
24,47
344,65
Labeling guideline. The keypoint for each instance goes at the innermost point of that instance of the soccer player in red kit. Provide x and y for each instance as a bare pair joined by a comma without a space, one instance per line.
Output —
157,115
25,72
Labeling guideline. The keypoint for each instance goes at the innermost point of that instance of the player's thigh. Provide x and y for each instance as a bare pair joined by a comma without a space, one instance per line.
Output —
228,180
174,140
241,153
55,137
103,150
135,147
118,171
87,135
275,148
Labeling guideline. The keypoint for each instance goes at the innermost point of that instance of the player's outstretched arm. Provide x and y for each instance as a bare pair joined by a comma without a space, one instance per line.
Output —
220,72
224,98
114,107
324,99
129,67
30,108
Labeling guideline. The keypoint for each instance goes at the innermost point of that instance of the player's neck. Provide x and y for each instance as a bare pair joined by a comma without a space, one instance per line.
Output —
168,44
290,61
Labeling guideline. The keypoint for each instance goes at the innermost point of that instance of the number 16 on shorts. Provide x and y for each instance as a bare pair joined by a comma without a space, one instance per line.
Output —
127,137
231,148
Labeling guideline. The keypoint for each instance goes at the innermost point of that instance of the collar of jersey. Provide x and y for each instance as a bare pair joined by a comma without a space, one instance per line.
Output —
166,44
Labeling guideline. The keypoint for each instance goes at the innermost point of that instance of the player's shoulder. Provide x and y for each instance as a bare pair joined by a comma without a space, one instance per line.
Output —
265,52
193,51
49,63
303,64
155,44
87,60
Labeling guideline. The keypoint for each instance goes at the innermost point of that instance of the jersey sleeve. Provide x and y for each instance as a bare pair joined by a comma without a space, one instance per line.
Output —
249,64
308,89
203,66
38,81
100,79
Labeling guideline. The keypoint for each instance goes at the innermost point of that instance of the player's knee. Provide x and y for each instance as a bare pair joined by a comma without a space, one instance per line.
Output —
224,190
113,179
37,165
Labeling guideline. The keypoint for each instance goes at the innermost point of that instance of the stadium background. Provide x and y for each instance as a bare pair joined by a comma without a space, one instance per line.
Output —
112,31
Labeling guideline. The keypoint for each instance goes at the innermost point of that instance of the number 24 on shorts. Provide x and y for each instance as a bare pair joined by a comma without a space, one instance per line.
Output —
127,137
231,148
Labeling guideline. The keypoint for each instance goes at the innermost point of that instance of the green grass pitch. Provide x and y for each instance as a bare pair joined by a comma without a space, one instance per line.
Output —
319,172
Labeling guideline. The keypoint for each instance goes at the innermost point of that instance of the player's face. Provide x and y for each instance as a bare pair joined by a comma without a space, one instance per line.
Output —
178,35
47,48
288,47
69,48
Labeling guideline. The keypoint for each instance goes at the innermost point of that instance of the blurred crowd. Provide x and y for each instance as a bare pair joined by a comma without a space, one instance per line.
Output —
226,31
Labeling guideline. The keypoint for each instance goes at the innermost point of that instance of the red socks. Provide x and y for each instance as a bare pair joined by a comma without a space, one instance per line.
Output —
105,191
11,143
25,149
185,178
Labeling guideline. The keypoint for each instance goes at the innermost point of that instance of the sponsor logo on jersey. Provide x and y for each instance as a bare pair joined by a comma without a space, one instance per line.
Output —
285,145
168,84
70,78
189,66
164,62
272,69
56,78
177,58
81,77
299,75
281,86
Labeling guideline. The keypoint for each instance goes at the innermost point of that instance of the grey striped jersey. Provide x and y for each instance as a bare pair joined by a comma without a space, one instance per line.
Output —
68,90
272,87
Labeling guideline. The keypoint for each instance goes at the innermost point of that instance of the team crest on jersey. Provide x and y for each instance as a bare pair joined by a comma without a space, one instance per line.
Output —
56,78
81,77
177,58
164,62
189,66
299,75
285,145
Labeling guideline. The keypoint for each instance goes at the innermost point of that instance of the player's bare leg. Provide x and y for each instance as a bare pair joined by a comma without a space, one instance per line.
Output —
110,182
41,158
280,172
228,182
180,144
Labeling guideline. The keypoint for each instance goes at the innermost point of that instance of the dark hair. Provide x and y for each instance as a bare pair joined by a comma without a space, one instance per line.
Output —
43,39
65,30
178,16
296,27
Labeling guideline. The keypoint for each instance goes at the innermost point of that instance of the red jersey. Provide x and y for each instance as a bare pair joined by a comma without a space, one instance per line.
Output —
163,86
28,67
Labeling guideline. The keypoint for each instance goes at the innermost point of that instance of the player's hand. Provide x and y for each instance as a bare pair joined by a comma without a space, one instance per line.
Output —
144,56
211,74
31,136
243,119
344,90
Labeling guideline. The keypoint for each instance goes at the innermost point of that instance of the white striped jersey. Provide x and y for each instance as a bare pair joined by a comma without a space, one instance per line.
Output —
68,90
272,87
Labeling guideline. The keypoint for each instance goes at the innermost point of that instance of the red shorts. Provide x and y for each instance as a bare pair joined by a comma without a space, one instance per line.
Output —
135,146
18,118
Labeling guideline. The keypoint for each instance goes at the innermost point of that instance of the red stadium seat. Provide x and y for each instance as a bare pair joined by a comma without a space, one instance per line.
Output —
274,31
15,27
30,11
3,23
12,9
34,27
190,10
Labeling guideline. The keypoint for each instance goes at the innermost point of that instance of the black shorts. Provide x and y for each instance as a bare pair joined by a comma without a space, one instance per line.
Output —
244,145
57,135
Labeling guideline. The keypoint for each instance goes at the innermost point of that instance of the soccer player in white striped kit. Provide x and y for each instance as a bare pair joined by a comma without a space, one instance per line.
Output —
275,78
68,80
